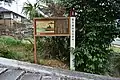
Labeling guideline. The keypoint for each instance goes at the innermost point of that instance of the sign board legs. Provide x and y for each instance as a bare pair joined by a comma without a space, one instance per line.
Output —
41,28
35,52
72,42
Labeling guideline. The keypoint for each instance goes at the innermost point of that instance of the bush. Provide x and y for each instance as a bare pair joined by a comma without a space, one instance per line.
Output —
9,40
95,30
16,49
54,47
115,62
6,53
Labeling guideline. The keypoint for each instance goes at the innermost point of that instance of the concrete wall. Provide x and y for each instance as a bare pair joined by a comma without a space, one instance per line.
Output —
54,72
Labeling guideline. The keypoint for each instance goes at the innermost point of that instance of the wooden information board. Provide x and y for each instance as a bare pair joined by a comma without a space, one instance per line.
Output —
56,26
52,26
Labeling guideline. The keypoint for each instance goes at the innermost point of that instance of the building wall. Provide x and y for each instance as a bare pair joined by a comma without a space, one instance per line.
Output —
7,15
10,19
11,15
15,25
17,18
6,22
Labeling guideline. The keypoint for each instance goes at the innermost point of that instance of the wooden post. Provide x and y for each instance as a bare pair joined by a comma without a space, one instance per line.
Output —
35,51
72,39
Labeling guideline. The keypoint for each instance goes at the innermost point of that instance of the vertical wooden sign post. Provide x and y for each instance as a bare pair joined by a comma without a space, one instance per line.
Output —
72,39
35,50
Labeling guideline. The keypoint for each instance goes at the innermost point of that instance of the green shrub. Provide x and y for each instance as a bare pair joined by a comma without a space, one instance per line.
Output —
54,47
115,62
9,40
95,30
6,53
15,49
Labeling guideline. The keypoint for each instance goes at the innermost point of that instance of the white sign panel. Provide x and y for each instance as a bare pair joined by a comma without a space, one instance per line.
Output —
72,42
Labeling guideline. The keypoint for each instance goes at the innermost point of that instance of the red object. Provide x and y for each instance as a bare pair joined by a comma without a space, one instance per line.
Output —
72,12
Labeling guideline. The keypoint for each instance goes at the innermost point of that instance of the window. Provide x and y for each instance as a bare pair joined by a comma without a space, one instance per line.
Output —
1,16
15,16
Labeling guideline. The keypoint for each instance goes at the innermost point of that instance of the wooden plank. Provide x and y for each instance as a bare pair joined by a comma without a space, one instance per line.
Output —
53,35
51,18
31,76
11,74
35,52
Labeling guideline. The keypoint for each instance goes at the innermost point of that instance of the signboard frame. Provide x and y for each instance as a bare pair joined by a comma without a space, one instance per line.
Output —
51,19
71,33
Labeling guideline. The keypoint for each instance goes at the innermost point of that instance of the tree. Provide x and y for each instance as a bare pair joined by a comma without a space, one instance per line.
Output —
43,8
50,46
30,10
95,30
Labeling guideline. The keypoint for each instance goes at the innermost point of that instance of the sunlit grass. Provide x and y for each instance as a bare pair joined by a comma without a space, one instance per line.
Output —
115,49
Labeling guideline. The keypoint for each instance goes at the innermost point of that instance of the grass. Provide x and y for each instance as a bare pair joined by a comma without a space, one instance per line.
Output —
9,40
53,63
23,50
15,49
116,49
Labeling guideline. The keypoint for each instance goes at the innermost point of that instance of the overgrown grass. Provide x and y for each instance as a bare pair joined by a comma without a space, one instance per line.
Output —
23,50
7,40
15,49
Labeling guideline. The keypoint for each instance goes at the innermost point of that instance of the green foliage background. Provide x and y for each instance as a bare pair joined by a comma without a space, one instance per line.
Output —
95,30
53,48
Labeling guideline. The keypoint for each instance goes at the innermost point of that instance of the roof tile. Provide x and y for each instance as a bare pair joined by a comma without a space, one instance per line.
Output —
4,10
